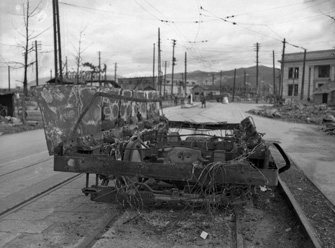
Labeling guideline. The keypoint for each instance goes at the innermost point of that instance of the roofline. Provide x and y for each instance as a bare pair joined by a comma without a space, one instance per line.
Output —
316,51
297,60
307,59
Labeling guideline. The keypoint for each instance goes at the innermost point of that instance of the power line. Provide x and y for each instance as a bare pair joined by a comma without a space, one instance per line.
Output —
101,10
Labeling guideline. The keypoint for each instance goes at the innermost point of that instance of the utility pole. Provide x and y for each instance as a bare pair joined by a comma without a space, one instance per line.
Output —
164,79
66,68
99,68
153,69
115,72
213,79
234,84
36,60
173,64
57,41
293,88
182,83
185,85
8,78
303,77
282,71
54,9
221,83
105,72
159,64
245,84
274,79
309,84
257,50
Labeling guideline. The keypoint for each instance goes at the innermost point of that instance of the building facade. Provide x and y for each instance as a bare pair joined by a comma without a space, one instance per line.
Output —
319,71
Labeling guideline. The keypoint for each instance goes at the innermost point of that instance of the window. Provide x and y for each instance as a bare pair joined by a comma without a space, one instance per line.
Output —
290,90
293,72
324,71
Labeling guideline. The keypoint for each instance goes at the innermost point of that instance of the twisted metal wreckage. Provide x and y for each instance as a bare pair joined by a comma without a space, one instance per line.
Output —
135,152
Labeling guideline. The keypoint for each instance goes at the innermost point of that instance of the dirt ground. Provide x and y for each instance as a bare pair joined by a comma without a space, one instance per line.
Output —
259,217
318,209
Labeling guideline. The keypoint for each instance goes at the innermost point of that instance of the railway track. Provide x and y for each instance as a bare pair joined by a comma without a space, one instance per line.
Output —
239,222
41,194
24,167
263,217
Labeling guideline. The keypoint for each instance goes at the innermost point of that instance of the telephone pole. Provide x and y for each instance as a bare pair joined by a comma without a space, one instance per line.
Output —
303,77
234,84
159,64
185,73
99,68
173,64
36,60
221,83
257,50
66,68
282,71
115,72
274,79
8,78
153,69
245,85
57,42
164,79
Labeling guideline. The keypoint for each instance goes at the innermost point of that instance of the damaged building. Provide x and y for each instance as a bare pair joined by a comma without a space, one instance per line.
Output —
316,84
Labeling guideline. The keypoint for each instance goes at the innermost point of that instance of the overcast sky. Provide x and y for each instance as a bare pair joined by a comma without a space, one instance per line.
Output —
215,34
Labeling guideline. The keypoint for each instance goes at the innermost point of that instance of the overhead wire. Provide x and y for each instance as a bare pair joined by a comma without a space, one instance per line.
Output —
236,24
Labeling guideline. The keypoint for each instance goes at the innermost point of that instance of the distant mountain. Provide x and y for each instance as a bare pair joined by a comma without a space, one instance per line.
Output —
265,75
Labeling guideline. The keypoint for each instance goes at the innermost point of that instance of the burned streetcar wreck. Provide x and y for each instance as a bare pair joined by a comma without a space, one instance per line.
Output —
137,154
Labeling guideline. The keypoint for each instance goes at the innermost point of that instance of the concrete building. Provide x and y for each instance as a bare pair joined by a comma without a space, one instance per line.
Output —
318,82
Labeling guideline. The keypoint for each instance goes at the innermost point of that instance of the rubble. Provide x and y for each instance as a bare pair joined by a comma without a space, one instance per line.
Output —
302,113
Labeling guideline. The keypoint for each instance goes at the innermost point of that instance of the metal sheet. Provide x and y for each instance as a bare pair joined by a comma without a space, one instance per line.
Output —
142,106
61,106
125,108
111,109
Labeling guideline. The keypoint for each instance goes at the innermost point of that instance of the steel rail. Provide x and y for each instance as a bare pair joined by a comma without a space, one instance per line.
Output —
38,196
25,167
307,227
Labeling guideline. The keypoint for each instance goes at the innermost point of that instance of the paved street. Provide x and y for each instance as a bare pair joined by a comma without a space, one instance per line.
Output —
21,145
26,169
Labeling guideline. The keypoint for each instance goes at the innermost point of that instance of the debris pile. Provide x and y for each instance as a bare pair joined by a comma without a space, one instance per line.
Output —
10,120
301,113
328,124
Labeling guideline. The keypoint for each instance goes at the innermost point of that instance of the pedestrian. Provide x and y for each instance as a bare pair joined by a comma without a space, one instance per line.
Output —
203,100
